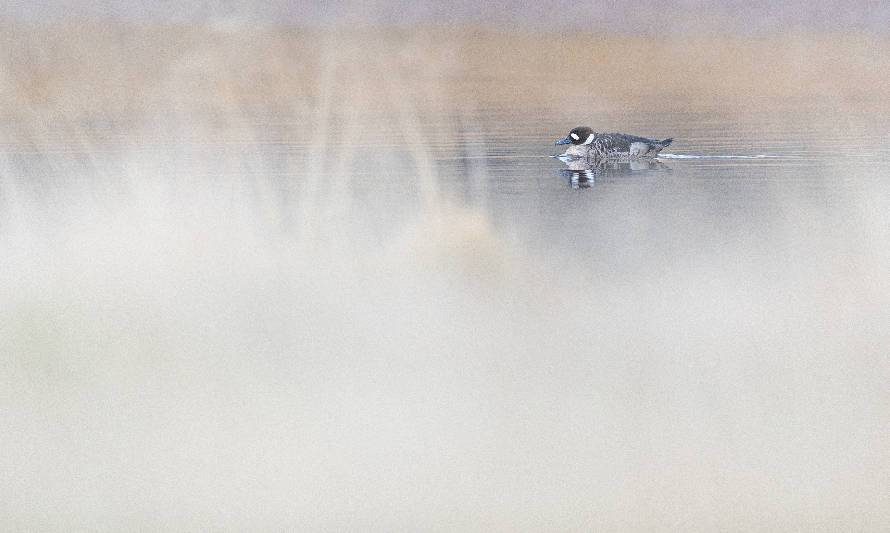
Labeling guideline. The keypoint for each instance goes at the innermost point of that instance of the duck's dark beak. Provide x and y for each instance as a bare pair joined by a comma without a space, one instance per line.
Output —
564,141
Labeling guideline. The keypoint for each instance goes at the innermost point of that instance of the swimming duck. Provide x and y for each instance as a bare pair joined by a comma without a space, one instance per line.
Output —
587,143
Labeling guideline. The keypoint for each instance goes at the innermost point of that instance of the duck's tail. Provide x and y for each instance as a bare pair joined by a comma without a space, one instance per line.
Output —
658,146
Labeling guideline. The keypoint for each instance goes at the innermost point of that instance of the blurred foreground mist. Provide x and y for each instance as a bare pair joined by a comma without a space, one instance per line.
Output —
243,286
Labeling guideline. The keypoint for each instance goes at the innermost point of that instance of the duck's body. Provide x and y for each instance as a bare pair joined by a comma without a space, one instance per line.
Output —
590,144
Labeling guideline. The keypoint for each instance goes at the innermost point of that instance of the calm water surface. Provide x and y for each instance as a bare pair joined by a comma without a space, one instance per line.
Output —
399,313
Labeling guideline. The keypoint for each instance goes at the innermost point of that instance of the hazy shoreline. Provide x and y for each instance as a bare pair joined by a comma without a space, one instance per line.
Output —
119,69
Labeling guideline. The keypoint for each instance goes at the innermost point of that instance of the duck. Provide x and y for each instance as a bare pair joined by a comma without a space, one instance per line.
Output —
587,143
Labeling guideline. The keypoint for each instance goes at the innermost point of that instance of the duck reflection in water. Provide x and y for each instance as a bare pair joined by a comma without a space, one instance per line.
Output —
582,173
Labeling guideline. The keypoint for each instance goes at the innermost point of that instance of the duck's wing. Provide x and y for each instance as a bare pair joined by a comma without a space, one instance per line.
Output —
625,140
610,143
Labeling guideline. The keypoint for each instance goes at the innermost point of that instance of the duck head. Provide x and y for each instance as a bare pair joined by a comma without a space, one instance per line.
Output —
579,135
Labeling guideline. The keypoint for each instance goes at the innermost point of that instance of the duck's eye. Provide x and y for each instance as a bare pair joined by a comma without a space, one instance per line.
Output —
575,136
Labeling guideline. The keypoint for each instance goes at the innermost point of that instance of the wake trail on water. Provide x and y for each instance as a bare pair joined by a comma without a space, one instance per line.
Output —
562,157
693,156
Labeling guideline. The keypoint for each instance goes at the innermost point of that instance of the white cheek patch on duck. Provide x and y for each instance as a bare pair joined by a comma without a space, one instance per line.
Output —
589,139
575,136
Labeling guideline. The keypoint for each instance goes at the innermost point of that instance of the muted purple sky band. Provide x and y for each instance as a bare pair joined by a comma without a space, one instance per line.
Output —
647,16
